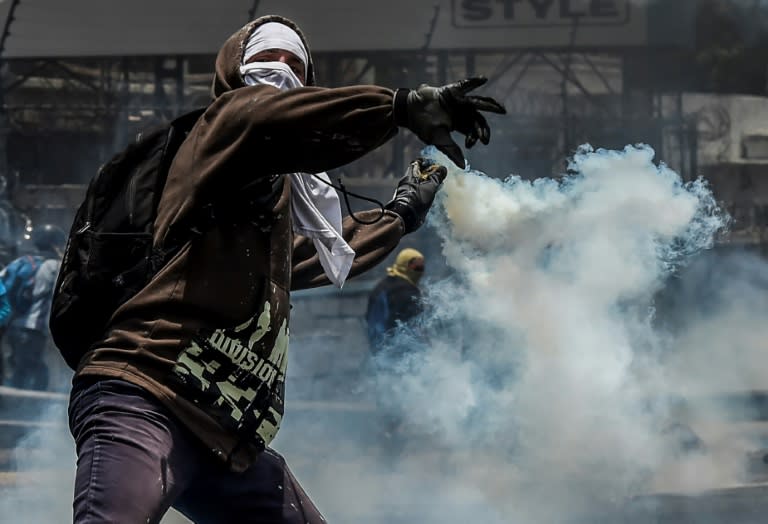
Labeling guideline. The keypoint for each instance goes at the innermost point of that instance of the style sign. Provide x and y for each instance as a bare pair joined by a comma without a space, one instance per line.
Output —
539,13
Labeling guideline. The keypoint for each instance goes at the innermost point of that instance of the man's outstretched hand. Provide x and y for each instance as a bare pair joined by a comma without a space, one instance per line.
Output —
432,113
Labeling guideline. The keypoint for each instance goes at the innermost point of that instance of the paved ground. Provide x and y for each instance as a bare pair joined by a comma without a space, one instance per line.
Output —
353,484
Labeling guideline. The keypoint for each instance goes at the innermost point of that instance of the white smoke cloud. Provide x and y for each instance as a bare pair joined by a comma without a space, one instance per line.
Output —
39,468
540,390
37,480
542,379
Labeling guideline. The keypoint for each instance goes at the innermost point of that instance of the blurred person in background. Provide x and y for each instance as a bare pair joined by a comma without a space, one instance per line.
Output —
396,299
12,221
178,403
5,318
29,281
394,334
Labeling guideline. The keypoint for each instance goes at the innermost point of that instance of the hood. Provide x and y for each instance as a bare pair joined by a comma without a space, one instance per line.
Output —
230,56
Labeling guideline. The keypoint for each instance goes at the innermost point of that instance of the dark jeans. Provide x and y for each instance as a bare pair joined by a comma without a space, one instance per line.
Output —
134,461
27,358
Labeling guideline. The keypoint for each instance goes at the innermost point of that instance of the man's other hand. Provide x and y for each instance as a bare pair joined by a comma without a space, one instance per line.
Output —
416,191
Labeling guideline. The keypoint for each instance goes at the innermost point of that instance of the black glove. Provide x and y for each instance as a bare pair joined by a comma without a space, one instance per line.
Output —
433,112
416,191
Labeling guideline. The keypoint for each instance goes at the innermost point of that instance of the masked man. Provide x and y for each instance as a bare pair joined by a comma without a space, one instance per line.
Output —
177,404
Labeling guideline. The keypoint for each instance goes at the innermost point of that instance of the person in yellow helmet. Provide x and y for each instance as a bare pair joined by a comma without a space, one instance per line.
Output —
394,307
396,299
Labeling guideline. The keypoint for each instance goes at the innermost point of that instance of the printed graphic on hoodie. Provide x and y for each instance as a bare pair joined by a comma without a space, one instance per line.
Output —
230,372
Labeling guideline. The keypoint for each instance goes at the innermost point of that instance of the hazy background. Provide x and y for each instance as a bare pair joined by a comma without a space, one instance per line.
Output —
594,346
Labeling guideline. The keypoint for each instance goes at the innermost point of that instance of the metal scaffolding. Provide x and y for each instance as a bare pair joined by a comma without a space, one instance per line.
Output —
68,115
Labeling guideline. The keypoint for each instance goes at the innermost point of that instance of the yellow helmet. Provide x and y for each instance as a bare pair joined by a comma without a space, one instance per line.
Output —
409,265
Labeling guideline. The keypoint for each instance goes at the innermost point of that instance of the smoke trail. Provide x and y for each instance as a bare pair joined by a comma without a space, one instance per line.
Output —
534,389
37,476
542,374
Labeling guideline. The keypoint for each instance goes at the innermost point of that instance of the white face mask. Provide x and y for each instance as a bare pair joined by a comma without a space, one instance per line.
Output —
276,74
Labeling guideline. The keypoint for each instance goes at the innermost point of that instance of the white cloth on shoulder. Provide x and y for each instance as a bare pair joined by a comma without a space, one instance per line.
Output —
317,214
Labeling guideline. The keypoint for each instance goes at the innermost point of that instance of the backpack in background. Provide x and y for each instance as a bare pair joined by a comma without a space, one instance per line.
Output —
110,254
19,281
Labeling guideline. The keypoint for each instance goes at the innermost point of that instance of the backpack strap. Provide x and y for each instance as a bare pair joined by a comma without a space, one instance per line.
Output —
260,197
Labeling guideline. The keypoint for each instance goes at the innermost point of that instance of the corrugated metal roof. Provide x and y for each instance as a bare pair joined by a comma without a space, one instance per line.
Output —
55,28
60,28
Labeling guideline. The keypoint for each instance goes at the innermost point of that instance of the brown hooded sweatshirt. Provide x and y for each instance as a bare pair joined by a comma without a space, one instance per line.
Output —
209,334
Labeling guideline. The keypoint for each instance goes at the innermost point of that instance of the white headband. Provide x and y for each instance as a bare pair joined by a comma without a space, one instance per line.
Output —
274,35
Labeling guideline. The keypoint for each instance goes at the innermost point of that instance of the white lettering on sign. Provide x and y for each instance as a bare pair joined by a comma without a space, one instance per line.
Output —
539,13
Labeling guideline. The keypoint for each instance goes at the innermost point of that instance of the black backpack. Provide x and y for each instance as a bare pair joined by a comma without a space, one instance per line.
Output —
110,254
